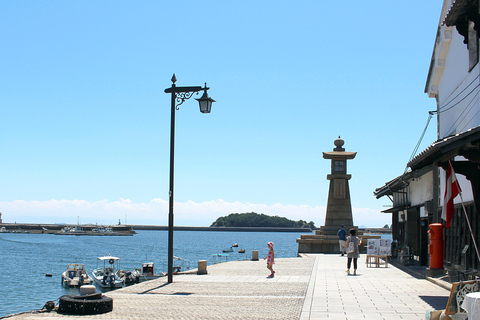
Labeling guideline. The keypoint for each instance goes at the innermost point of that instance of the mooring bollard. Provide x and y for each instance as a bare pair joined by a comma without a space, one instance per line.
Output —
202,267
87,289
254,255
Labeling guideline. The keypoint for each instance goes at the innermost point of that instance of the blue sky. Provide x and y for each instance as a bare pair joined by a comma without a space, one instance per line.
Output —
86,123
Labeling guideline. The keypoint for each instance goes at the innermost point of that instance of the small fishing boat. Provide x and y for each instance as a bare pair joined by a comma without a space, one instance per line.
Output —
76,231
228,250
103,231
147,272
106,276
76,276
180,265
127,277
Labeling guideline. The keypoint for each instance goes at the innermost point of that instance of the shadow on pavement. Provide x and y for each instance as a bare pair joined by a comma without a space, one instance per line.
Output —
437,303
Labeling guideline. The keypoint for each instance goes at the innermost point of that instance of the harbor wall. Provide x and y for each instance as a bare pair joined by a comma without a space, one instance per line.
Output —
56,228
53,228
236,229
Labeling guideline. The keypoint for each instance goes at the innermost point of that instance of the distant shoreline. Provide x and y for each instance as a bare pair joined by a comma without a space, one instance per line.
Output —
52,228
237,229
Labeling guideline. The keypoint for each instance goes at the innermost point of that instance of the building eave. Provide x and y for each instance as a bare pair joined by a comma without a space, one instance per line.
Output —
440,49
393,210
444,149
400,182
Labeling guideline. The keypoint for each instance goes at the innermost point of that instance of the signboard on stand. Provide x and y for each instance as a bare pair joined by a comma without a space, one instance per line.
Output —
379,247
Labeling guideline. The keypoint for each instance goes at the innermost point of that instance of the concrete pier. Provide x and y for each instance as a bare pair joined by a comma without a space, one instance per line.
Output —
314,286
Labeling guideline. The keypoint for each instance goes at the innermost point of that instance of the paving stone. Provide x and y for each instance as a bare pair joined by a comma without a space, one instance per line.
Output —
311,287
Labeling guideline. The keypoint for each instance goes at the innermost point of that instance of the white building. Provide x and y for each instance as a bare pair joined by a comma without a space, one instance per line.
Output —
454,81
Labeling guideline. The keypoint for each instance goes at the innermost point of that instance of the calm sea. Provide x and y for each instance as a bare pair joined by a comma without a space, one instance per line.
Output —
25,259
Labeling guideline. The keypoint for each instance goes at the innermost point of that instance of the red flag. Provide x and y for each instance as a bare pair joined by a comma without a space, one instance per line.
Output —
452,189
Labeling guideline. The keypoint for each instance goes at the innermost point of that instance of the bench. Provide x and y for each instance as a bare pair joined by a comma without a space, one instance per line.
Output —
375,259
453,310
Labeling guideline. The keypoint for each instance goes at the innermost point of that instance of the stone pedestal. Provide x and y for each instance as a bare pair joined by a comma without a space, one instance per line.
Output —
254,255
324,243
202,267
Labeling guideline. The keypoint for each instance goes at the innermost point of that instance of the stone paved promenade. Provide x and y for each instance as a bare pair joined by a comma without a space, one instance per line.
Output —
312,287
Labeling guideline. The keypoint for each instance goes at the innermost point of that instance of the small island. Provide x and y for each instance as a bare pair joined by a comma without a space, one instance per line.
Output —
255,220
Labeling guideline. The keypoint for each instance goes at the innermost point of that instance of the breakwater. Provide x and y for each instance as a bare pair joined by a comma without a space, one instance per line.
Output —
236,229
54,228
376,230
60,229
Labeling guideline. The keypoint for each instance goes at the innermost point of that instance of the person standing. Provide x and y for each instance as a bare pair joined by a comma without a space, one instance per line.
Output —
270,259
342,239
355,254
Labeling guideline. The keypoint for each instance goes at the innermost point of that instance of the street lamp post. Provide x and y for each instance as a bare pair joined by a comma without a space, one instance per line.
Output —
179,95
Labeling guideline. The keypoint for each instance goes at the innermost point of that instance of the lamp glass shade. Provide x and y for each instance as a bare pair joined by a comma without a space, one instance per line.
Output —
205,103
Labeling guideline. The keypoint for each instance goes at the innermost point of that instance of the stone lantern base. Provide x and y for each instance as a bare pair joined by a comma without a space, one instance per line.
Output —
326,241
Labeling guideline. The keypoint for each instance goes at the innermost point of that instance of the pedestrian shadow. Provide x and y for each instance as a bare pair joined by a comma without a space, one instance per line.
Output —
436,302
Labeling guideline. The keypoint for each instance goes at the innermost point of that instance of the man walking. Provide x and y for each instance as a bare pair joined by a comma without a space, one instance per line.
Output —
342,239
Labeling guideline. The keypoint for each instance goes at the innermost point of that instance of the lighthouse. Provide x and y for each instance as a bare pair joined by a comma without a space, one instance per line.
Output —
339,207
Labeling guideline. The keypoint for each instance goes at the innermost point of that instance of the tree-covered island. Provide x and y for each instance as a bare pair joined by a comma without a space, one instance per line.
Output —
252,219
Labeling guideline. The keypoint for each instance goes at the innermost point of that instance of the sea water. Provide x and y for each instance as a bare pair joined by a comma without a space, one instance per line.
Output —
26,259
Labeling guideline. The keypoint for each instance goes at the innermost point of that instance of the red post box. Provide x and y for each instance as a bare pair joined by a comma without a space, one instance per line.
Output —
435,248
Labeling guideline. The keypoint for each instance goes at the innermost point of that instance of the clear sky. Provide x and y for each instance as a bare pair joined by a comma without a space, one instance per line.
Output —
85,122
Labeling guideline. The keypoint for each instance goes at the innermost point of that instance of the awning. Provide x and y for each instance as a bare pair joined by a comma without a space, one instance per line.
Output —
393,210
400,182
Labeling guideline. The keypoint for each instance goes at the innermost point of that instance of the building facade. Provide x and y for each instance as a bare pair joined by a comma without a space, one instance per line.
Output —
417,195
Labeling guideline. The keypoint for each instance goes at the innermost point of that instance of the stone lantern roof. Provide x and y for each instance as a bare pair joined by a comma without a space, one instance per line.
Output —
339,152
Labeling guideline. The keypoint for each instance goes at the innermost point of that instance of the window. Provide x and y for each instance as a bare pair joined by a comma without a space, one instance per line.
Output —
339,166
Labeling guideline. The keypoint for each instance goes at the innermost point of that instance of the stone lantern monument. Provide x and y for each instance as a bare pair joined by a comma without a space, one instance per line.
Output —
339,208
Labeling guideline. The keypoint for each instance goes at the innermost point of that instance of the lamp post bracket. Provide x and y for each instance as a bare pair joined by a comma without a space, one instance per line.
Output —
184,89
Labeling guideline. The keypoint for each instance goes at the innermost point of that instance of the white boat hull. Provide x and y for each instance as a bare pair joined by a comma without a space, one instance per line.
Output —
106,281
76,276
142,278
75,282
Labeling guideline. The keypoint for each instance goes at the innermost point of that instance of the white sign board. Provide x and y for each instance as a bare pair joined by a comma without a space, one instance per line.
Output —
381,247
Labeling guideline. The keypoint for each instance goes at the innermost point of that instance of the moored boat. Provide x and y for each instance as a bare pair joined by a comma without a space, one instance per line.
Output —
77,230
103,231
127,277
147,272
106,276
76,276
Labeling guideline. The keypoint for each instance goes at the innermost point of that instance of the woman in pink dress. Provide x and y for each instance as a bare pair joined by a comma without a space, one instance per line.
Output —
270,259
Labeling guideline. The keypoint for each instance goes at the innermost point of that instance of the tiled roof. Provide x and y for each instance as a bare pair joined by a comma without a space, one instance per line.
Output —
458,8
442,147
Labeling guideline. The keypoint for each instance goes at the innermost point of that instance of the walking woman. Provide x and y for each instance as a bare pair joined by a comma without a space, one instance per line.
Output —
353,253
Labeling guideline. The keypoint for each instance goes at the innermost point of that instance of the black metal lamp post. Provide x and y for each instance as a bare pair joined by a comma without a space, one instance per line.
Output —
179,95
